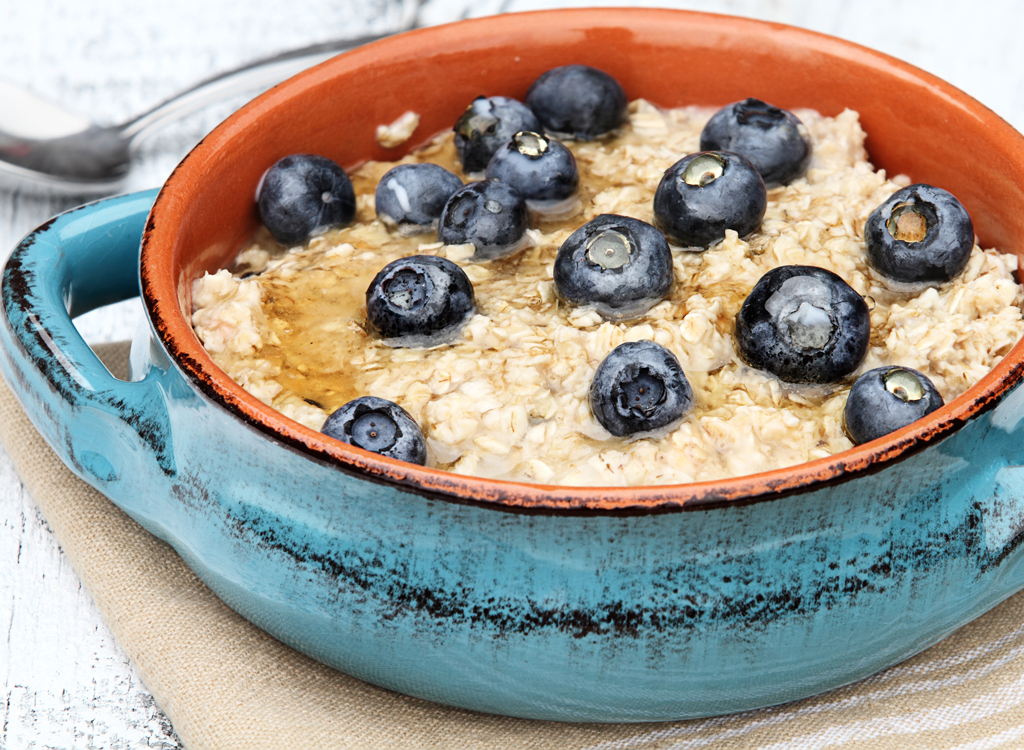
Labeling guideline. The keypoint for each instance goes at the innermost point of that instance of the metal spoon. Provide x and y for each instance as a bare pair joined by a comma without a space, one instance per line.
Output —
44,148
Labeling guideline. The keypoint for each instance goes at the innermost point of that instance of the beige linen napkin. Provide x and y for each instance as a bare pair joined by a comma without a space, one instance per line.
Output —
225,684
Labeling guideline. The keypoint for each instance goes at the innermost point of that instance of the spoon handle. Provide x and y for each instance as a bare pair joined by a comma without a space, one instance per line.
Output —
260,74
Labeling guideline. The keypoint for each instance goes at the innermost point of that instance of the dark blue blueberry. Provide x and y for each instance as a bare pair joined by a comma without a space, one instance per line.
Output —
380,426
921,234
639,387
490,215
541,169
620,265
772,139
885,399
804,325
303,195
419,301
411,196
703,194
486,125
577,101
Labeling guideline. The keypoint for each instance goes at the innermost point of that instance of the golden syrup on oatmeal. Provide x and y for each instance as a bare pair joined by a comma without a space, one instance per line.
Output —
318,328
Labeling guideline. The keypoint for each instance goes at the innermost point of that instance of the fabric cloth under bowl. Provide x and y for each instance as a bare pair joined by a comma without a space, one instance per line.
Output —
225,684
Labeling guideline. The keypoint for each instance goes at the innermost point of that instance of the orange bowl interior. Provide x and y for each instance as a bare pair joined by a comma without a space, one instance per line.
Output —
916,124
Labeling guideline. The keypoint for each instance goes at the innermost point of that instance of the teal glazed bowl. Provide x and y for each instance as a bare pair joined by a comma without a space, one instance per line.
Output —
596,604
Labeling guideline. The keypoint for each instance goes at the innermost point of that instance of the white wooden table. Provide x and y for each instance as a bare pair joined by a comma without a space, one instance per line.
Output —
65,682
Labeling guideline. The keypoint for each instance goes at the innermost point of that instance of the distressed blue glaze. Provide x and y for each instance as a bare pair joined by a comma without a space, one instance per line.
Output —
575,616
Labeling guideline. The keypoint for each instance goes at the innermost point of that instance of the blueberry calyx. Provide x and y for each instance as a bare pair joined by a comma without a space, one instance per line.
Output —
704,194
374,431
920,234
804,325
474,123
620,265
380,426
303,195
638,388
704,169
419,301
407,289
774,140
802,310
530,144
886,399
902,384
609,249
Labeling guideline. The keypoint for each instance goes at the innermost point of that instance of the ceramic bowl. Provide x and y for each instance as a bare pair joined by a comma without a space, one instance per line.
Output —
589,604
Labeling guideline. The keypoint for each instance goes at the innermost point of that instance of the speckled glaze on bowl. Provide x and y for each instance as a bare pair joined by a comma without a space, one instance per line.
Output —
555,603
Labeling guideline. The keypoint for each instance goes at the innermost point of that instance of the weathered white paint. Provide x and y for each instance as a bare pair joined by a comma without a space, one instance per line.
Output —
65,682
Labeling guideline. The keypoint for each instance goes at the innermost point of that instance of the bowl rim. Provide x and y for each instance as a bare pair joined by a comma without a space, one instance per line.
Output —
160,296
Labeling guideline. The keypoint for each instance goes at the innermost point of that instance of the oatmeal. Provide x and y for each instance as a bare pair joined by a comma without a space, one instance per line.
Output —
398,132
508,398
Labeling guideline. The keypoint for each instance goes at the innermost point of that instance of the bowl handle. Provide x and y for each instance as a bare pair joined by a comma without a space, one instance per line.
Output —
106,430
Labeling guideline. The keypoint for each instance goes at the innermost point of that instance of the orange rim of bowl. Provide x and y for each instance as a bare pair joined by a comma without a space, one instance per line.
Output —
162,297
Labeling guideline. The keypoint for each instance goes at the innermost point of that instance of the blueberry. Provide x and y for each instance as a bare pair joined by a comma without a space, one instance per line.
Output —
885,399
703,194
621,266
490,215
380,426
411,196
772,139
486,125
639,387
302,195
921,234
539,168
419,301
577,101
804,325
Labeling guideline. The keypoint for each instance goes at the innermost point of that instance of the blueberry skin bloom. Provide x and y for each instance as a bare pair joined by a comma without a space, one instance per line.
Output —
486,125
703,194
490,215
804,325
885,399
378,425
577,101
411,196
921,234
620,265
541,169
303,195
772,139
419,301
639,387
